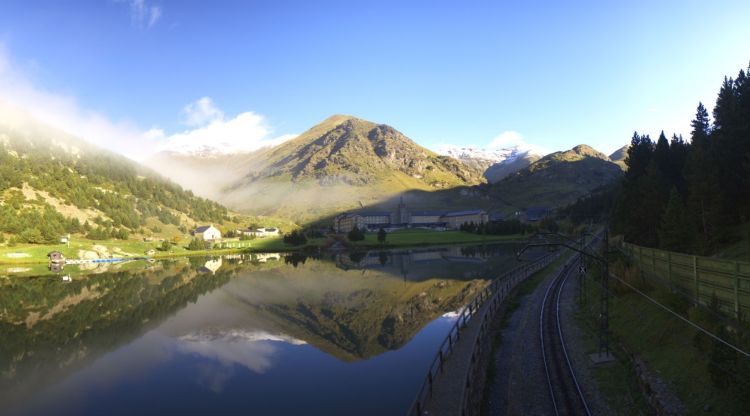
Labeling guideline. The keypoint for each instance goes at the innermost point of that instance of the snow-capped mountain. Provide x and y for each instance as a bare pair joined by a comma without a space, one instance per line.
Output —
496,163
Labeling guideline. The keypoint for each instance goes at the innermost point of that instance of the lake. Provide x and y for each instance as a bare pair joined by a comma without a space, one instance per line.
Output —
280,334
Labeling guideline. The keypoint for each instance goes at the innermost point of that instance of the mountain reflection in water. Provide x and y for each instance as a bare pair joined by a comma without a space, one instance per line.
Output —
204,334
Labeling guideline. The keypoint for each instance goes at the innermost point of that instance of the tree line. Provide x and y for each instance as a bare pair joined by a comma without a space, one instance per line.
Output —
691,196
89,179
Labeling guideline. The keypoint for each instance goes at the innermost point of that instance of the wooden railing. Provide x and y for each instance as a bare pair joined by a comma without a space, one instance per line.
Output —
495,293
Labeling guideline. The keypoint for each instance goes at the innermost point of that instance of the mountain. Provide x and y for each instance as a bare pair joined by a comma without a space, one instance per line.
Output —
494,163
341,163
619,156
52,183
557,179
499,171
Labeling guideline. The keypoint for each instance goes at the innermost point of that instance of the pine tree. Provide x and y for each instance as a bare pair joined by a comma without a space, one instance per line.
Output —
704,198
661,154
701,127
382,235
356,234
674,232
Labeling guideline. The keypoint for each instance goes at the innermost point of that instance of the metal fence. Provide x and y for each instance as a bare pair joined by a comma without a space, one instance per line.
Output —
702,279
495,293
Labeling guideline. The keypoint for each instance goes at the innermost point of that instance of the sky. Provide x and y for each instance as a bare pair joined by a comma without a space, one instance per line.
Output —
137,76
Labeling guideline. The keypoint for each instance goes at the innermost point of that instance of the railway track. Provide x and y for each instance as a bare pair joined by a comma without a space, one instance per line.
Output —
564,389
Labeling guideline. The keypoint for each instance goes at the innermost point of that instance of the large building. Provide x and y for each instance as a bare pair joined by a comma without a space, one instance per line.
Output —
401,217
454,220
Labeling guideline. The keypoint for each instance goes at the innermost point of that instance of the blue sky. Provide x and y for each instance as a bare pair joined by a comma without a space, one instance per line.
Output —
557,73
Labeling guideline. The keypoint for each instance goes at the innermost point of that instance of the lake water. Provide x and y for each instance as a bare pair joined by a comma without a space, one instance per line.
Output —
266,334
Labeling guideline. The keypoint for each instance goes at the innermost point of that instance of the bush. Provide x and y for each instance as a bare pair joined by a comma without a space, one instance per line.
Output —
382,235
198,244
356,235
295,238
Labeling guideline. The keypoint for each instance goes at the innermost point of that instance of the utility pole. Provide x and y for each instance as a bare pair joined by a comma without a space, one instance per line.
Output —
604,353
582,270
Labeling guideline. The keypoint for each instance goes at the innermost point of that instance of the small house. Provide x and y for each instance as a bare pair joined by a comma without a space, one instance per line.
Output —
56,257
207,233
270,231
150,252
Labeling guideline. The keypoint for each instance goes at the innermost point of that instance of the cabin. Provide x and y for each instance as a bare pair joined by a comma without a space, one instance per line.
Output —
55,257
207,233
150,252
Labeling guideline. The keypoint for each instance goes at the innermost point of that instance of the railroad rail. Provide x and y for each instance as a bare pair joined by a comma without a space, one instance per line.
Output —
565,391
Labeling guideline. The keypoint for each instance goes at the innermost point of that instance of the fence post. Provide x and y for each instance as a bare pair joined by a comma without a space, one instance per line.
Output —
695,279
737,289
640,257
669,269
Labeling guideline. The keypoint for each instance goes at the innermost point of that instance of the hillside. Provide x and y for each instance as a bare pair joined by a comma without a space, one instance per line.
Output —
557,179
52,184
619,156
342,163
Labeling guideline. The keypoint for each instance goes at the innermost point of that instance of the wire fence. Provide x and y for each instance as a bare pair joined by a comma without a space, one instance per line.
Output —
704,280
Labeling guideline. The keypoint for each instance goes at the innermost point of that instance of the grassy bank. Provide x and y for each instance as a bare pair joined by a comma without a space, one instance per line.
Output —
417,237
36,253
705,376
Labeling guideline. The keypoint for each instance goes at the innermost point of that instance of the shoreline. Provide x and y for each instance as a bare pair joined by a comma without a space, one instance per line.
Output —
317,246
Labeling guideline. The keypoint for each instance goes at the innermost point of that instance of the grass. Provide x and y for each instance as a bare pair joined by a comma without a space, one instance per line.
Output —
37,253
417,237
671,349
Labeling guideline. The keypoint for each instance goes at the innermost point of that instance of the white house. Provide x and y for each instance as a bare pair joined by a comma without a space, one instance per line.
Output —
207,233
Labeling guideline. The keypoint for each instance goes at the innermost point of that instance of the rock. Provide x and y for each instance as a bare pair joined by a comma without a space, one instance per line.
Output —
102,251
87,255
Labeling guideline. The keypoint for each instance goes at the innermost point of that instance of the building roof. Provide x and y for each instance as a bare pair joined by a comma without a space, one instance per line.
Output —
375,214
496,216
203,228
462,213
346,215
427,213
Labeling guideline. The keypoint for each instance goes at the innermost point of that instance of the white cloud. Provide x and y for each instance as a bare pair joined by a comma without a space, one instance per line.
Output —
507,139
23,102
143,15
202,112
512,138
247,131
